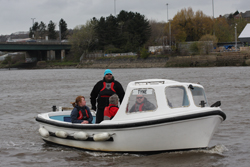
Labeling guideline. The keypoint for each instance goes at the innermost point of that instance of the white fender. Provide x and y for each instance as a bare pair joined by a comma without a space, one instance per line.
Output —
101,136
80,136
43,132
61,134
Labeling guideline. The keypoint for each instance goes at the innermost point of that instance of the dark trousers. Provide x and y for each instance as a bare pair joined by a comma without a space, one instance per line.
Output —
99,115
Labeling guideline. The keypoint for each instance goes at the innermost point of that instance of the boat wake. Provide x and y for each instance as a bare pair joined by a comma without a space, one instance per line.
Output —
217,149
105,154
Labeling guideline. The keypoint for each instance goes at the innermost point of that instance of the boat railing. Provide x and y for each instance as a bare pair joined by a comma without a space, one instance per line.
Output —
149,83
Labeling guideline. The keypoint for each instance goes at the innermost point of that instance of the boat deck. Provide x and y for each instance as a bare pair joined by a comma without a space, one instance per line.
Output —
66,118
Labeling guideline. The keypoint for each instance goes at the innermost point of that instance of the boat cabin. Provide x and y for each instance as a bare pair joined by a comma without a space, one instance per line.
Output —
157,97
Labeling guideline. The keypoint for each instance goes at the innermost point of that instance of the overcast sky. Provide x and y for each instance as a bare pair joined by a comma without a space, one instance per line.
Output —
15,15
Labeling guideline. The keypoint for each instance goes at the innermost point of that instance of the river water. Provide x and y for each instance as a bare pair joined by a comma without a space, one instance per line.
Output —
25,93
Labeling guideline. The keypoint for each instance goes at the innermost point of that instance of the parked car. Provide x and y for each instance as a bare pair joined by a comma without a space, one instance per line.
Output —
31,40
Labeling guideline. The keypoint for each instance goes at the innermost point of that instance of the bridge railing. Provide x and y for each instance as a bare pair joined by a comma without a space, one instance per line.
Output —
37,42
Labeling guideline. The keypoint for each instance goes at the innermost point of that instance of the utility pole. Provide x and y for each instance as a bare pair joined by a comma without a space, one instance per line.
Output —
213,15
169,23
167,20
33,35
60,33
235,37
167,11
213,7
170,34
115,7
33,21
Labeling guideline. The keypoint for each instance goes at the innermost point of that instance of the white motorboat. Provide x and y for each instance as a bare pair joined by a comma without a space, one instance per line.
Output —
180,119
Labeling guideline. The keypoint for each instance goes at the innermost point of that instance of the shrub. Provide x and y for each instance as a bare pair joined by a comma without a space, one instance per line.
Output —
206,43
194,48
144,53
7,60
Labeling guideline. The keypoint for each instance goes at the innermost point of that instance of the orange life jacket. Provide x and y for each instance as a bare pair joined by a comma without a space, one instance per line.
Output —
140,107
104,92
81,115
107,111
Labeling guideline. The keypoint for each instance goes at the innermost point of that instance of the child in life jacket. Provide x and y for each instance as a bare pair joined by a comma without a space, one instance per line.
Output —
111,110
81,113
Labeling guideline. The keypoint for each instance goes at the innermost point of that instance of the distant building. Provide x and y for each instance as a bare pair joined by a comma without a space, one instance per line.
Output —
245,34
225,15
245,15
158,49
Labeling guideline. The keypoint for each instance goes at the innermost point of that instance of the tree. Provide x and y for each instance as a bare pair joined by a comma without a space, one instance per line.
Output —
31,33
190,26
63,29
34,30
128,31
42,30
202,25
225,28
83,39
144,53
222,30
51,31
206,43
158,37
107,32
136,29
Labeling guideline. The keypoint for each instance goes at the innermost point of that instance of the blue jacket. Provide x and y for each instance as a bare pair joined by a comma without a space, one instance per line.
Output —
75,114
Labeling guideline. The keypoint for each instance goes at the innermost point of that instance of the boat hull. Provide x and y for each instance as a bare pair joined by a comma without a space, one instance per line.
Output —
172,135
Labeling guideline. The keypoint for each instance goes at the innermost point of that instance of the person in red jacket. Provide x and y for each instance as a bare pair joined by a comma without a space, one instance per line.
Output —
111,110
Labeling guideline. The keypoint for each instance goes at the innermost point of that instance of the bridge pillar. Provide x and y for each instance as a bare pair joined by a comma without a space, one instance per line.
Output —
62,55
51,55
27,54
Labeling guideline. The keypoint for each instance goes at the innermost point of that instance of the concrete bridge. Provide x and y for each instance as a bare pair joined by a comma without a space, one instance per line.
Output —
42,51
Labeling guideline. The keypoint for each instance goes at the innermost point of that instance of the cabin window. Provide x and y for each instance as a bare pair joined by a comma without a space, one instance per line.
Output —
141,100
176,96
199,96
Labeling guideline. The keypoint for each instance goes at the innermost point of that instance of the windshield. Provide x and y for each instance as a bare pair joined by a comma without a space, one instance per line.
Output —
176,96
141,100
199,96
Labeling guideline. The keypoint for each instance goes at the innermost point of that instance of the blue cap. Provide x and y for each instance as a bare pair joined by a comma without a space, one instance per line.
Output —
108,71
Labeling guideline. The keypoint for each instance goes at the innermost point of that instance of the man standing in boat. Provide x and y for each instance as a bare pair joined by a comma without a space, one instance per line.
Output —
102,91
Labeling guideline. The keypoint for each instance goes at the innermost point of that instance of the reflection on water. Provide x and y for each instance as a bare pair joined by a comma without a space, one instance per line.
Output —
25,93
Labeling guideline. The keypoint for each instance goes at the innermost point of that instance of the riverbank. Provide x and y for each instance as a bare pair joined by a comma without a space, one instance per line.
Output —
213,60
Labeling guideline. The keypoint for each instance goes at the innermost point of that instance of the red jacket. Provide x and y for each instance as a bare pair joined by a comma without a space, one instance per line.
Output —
110,111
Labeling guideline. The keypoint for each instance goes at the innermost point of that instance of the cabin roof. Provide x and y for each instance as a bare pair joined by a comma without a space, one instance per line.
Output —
245,34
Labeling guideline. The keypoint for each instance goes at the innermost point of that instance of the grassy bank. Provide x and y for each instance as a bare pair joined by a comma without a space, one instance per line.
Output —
56,64
153,61
161,61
